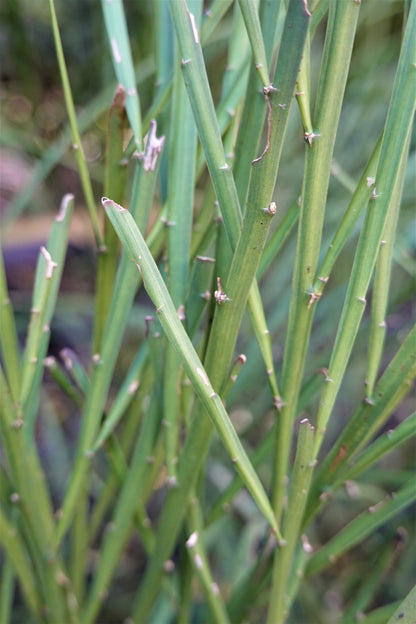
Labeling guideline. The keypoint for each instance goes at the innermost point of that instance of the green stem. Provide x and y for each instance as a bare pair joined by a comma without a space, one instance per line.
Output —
8,337
104,362
76,137
251,19
336,59
16,554
115,21
299,487
199,558
138,251
360,527
398,124
368,419
114,186
405,612
382,275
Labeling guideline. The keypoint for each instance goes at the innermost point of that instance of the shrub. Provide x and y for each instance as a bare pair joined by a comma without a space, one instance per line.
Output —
146,511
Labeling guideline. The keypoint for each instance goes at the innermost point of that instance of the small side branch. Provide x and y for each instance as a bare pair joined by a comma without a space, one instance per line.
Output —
266,91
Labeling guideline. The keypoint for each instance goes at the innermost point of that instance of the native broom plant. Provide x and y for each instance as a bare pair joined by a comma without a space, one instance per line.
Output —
244,390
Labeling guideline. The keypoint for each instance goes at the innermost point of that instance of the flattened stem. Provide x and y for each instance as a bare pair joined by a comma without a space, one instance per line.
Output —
231,302
137,250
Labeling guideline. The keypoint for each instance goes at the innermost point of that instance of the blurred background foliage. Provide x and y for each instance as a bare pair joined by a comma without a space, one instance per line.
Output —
33,120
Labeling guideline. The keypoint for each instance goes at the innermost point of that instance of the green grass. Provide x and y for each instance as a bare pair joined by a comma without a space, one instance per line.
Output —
218,426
